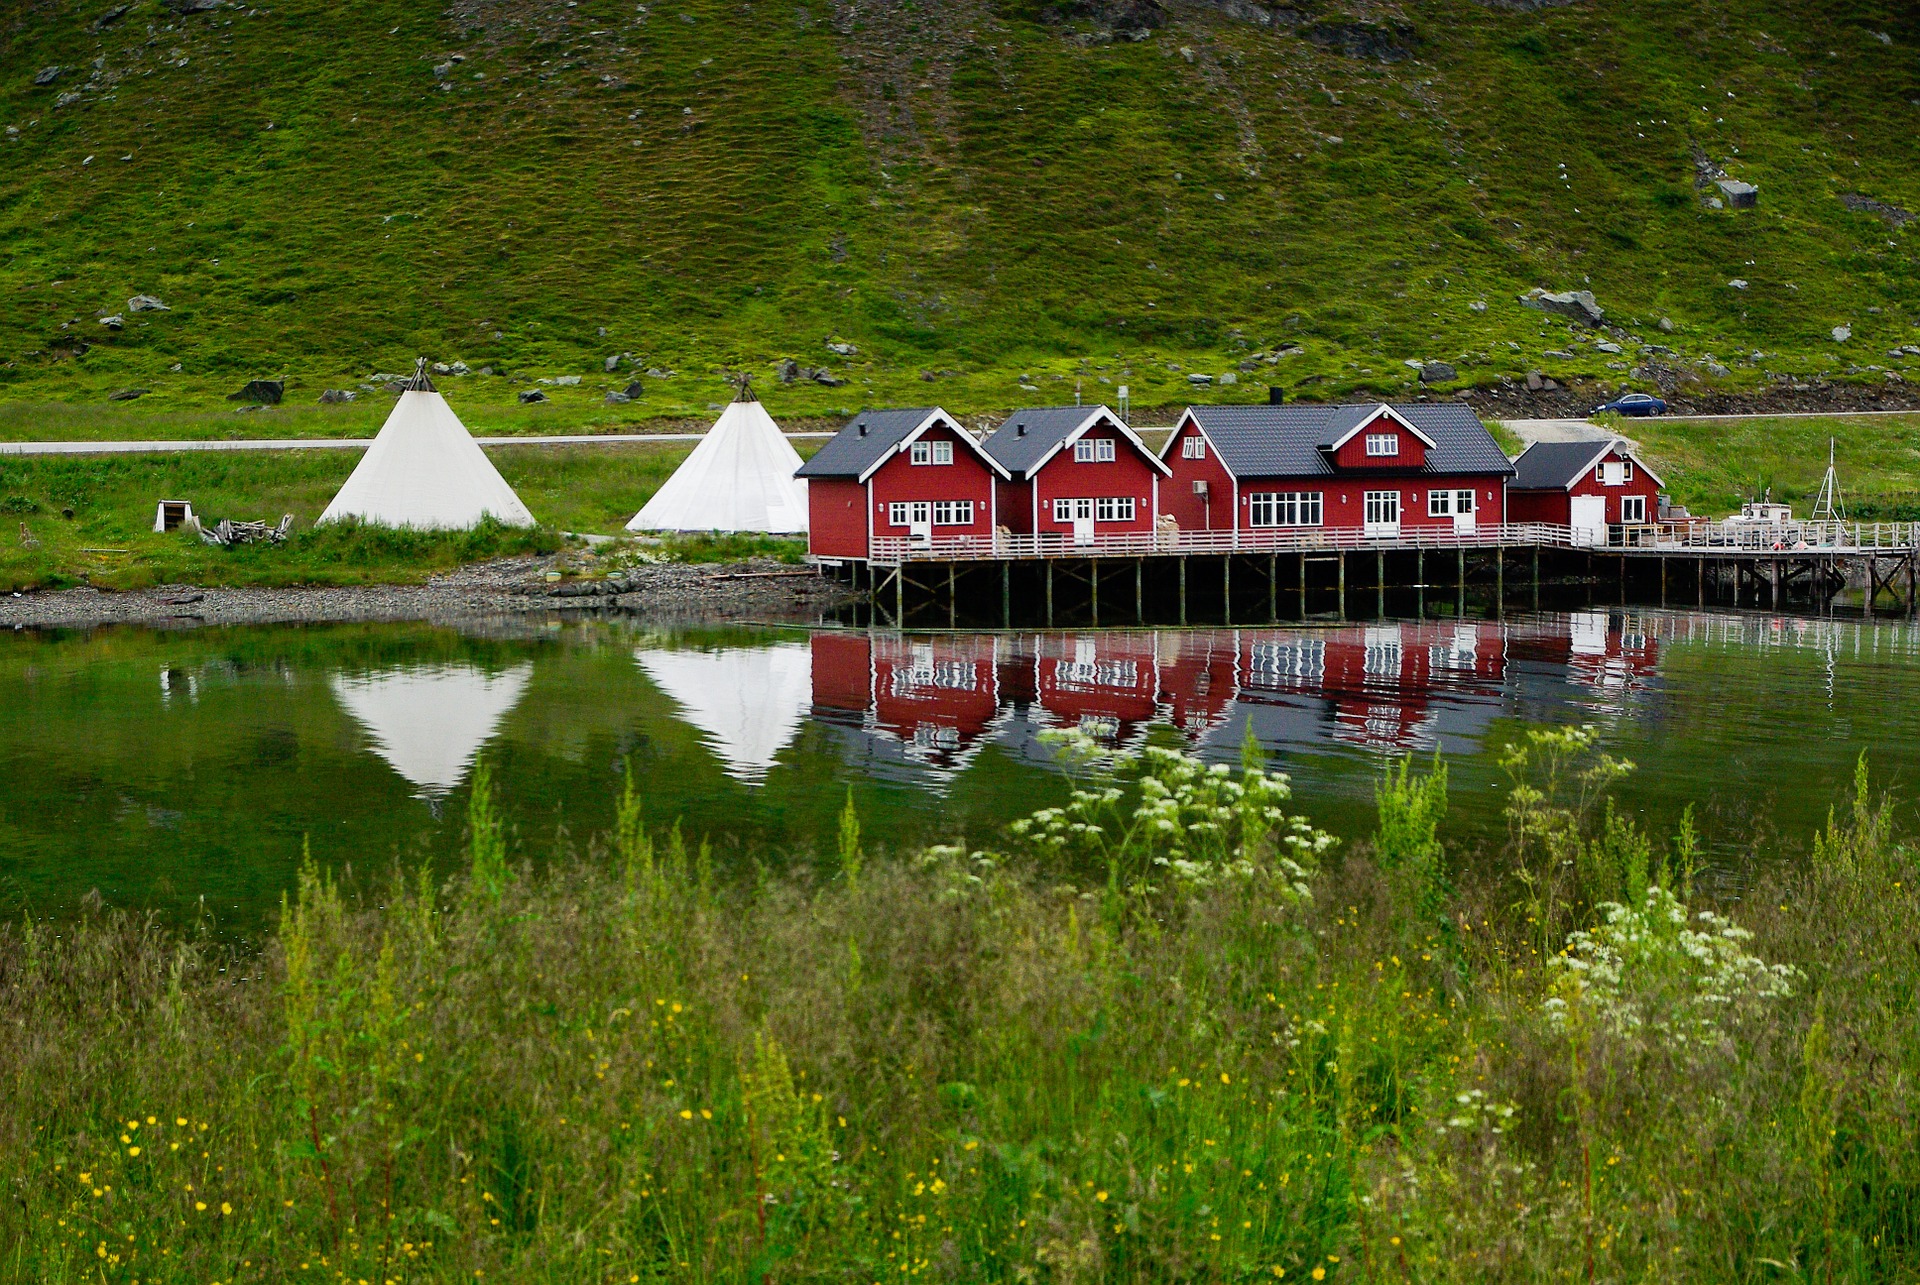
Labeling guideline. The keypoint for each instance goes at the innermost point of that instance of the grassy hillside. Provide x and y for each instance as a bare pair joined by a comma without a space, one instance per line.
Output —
967,192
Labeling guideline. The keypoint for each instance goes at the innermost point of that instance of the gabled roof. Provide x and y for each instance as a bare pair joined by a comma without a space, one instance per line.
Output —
1556,466
1296,439
1379,412
873,436
1031,437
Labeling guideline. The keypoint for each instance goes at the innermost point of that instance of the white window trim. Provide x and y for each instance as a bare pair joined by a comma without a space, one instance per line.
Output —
1286,509
1383,445
901,512
1194,448
1637,501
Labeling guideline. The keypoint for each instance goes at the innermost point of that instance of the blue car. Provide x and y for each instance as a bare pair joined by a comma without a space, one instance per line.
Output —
1634,404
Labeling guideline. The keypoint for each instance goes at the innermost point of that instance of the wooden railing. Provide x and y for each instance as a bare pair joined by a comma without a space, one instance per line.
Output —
889,551
1678,537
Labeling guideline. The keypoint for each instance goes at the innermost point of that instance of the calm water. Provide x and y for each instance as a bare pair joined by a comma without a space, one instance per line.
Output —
175,769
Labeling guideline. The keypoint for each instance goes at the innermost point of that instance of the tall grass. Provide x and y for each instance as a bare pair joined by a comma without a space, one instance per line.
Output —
1225,1051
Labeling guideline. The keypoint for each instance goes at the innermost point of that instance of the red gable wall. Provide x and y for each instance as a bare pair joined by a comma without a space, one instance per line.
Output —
1211,512
1353,455
1128,473
967,478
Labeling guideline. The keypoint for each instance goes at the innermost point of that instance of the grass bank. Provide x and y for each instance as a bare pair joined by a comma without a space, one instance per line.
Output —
1714,465
108,540
1164,1033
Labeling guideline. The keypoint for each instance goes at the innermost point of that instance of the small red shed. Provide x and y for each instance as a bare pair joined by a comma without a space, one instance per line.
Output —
1375,467
1077,471
1588,486
911,474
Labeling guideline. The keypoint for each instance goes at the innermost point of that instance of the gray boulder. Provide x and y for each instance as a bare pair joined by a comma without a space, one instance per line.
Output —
1607,345
1478,305
111,16
617,398
1199,380
1437,372
841,349
1229,378
337,396
827,378
532,395
1741,196
633,389
115,322
788,370
613,363
261,392
127,395
1576,304
1842,333
146,303
1738,283
1665,325
46,75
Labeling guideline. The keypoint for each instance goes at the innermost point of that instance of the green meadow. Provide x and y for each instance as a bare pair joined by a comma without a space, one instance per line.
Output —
1163,1032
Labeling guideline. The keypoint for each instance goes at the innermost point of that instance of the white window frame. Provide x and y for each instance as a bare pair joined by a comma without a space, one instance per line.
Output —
1194,448
1382,445
953,512
1114,508
932,453
1449,503
910,513
1639,506
1073,510
1093,450
1285,508
1613,473
1376,503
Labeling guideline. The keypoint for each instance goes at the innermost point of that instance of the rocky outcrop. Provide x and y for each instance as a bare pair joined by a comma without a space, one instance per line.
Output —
1577,304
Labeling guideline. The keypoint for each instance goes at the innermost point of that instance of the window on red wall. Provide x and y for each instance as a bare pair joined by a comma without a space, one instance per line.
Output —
1194,448
1093,450
1383,444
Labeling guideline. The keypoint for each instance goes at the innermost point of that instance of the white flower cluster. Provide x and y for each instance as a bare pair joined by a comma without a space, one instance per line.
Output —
1161,809
1653,969
1471,1111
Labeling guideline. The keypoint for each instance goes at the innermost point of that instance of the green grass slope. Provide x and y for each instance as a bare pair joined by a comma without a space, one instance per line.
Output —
977,195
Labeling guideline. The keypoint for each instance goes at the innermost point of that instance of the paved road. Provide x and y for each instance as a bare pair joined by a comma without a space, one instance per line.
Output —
336,443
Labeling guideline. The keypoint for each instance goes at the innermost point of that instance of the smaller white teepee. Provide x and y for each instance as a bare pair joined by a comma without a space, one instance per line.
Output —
425,470
739,478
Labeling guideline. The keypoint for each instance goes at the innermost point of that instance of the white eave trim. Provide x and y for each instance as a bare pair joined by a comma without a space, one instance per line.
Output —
1187,416
1094,415
935,417
1374,416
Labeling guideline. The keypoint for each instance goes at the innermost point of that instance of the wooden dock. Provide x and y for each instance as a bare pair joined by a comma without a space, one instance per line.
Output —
1268,576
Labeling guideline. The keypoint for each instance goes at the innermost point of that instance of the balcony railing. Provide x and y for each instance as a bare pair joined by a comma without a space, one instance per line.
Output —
1681,537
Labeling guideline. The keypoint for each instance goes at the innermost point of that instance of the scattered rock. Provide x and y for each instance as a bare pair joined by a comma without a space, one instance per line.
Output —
1199,380
826,378
1535,381
111,16
459,368
146,303
184,7
1859,204
1378,41
1664,325
788,370
1607,345
1229,378
261,392
1577,304
47,75
1715,369
1478,305
1842,333
1715,203
613,363
655,373
532,395
1559,354
1738,283
633,389
617,398
337,396
601,332
68,100
441,368
1437,372
1741,196
841,349
115,322
567,381
127,395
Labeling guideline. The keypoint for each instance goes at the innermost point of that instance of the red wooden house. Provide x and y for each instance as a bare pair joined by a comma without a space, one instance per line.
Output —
911,474
1075,471
1381,468
1589,486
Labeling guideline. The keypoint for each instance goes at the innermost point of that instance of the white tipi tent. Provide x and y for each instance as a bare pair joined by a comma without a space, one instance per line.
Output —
739,478
749,701
425,470
430,722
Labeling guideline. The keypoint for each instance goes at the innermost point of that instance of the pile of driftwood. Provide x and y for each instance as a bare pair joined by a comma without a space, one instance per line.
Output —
230,532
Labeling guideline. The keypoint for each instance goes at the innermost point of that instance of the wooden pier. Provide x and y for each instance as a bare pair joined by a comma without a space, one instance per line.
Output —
1268,576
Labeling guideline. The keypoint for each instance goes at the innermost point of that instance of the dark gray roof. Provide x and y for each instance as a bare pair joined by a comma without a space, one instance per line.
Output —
1029,436
864,442
1555,466
1292,440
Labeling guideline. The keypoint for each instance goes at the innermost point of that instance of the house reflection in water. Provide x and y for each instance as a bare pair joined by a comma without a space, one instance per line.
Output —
1384,688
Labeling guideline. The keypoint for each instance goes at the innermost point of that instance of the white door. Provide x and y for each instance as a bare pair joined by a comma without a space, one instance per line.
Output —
1463,511
920,522
1081,513
1589,519
1383,513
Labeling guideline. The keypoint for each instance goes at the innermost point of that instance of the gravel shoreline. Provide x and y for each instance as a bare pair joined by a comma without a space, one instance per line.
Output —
755,590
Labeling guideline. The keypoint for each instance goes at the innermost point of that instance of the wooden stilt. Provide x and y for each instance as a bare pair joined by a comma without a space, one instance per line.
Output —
953,596
1379,583
1273,588
1226,588
1140,591
1343,584
1460,583
1700,582
1048,564
1500,582
1420,582
1536,577
1303,586
1183,588
1006,595
1093,588
1663,582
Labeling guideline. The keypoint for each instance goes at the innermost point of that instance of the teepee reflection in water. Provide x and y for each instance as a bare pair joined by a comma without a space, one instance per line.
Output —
430,722
749,701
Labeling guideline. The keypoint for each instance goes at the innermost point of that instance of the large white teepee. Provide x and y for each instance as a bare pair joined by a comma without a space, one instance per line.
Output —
430,722
739,478
425,470
749,701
